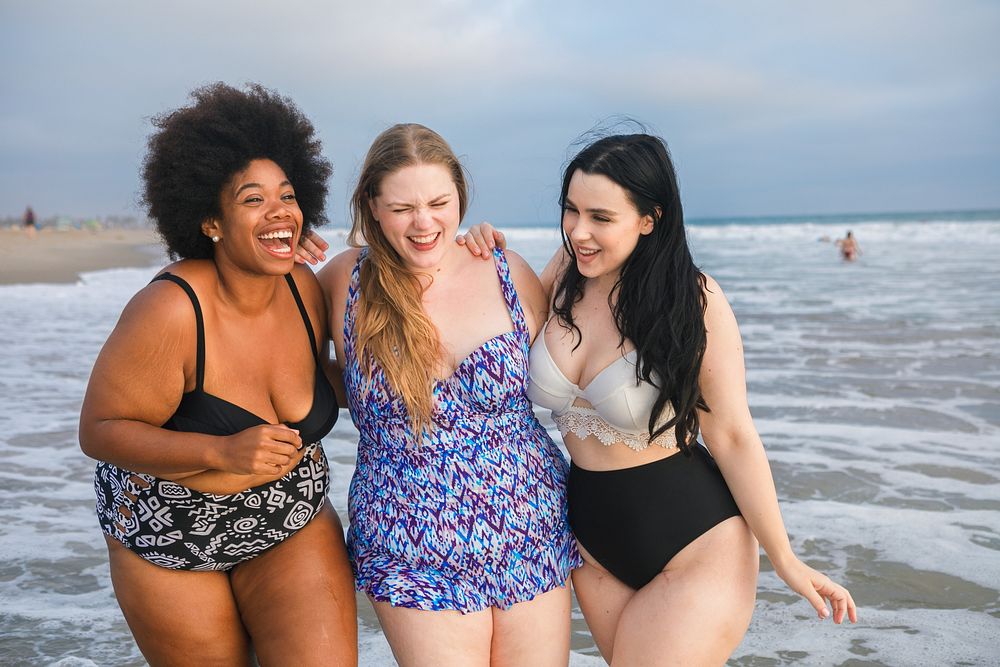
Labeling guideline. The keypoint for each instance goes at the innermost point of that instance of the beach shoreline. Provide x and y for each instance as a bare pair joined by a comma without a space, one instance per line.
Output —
60,256
874,385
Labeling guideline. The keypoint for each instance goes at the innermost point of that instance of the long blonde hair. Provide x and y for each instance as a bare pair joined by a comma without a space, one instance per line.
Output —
391,326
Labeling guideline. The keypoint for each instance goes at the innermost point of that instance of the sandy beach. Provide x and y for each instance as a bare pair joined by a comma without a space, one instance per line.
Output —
875,386
59,256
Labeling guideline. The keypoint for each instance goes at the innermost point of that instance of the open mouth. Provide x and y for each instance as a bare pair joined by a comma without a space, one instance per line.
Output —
585,253
425,242
277,242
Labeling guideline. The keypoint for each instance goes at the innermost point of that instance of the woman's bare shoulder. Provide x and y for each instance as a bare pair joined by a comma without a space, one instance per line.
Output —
158,320
554,269
519,267
711,284
338,268
195,272
164,301
305,279
719,314
714,296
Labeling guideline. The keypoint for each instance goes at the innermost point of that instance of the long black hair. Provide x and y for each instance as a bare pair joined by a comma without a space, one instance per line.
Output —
658,300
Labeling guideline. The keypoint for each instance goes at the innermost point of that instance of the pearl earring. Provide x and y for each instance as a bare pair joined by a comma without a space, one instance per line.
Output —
215,239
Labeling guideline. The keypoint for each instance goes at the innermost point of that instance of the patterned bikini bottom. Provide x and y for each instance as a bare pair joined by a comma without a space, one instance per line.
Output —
179,528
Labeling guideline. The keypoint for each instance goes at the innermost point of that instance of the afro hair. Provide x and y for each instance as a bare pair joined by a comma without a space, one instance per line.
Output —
197,149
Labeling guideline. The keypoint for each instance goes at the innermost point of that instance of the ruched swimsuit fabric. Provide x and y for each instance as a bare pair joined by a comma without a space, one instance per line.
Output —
474,514
179,528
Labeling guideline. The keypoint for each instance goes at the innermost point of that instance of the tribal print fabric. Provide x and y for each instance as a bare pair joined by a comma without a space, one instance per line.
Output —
474,515
178,528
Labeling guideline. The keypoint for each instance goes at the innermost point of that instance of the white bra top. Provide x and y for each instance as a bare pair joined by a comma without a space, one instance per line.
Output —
620,406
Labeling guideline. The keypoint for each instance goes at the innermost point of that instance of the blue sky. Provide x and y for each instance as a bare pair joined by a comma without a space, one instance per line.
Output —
768,107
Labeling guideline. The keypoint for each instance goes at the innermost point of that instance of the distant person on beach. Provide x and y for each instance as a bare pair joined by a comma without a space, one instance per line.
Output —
29,222
207,404
640,355
849,248
458,528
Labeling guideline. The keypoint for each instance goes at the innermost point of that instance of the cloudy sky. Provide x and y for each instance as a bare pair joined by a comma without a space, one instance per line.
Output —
769,107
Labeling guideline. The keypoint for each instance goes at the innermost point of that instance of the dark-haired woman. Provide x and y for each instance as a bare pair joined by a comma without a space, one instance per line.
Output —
207,403
641,353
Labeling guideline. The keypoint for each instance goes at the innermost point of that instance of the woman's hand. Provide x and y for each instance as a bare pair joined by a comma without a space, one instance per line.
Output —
818,588
481,239
311,248
262,450
256,456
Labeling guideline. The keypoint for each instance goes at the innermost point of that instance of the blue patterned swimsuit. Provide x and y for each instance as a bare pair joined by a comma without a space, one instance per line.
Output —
474,516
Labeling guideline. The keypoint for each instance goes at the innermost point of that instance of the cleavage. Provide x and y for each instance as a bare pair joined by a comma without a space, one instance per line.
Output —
581,363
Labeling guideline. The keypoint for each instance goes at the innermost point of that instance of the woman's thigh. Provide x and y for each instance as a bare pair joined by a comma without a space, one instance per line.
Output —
178,617
534,632
436,638
697,609
602,599
297,599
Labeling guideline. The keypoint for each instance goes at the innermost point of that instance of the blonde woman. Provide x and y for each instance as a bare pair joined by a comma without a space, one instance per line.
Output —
458,526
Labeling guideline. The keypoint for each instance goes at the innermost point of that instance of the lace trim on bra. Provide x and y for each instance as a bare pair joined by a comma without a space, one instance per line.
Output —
582,422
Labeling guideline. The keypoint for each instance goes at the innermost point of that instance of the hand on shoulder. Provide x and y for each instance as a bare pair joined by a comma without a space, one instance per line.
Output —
481,239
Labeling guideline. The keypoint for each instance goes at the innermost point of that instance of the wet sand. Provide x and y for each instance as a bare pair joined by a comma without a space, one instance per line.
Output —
60,256
874,385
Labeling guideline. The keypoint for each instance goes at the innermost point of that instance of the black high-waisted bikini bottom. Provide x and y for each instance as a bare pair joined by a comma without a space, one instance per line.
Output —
634,520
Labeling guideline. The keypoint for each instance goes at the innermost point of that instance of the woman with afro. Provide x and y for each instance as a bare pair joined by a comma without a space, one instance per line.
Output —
207,403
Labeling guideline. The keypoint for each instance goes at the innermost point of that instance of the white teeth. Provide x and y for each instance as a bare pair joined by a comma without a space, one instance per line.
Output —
279,234
425,239
283,250
586,253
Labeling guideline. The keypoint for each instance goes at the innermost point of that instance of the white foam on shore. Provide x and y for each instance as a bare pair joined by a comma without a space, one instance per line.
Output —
875,386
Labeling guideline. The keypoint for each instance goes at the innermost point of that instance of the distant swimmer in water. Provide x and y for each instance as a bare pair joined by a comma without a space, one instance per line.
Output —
849,248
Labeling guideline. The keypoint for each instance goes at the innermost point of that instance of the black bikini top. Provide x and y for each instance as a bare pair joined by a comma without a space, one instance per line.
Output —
201,412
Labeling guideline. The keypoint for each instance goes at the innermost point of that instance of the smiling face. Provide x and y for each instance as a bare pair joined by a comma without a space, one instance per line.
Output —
261,220
417,208
602,224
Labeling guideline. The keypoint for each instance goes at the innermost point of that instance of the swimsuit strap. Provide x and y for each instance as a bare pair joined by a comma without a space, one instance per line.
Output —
200,322
305,315
506,286
352,296
509,292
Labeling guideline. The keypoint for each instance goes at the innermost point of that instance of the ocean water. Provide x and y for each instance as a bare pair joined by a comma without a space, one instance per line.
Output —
875,386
